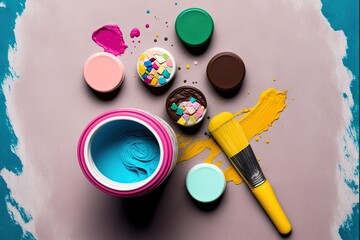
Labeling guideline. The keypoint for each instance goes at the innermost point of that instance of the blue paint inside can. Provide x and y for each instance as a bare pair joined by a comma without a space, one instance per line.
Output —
125,151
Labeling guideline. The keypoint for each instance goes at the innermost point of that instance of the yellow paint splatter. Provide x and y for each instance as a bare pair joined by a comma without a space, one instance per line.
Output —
218,164
257,139
187,66
267,141
232,175
157,35
254,121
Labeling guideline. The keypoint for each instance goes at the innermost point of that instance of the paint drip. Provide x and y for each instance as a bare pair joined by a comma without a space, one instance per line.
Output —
111,39
135,32
254,121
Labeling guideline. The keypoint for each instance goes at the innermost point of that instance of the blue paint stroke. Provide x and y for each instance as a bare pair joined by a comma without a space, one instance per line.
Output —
344,15
9,227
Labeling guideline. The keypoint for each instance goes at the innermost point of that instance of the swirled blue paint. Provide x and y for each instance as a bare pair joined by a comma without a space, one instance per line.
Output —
125,151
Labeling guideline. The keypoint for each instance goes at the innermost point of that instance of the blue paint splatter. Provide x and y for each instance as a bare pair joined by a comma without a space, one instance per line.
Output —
344,15
9,227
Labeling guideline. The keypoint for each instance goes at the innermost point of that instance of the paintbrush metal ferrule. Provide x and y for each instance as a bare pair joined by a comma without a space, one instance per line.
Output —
247,165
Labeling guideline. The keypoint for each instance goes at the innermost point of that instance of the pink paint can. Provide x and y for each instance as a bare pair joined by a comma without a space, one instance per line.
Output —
165,138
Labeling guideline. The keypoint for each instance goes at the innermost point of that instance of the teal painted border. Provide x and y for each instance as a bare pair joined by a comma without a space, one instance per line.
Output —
9,227
344,15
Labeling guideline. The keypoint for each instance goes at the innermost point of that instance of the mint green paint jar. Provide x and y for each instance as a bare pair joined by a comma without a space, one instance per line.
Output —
205,182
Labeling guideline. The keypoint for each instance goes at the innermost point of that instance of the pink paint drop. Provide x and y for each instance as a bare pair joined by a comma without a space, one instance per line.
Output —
135,33
110,38
147,25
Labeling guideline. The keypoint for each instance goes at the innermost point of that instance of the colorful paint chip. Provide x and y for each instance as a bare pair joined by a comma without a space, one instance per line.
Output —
160,59
181,121
162,81
169,63
174,107
155,66
166,57
148,63
196,105
190,110
179,111
161,69
192,119
141,69
166,74
154,82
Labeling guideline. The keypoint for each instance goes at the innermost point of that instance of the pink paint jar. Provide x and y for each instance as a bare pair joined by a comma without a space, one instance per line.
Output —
103,72
116,121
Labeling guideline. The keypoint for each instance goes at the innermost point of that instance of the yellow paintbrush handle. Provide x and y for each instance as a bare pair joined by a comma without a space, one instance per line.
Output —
267,198
230,136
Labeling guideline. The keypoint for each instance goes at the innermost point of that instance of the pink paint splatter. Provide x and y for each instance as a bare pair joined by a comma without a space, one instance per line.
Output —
135,33
111,39
147,25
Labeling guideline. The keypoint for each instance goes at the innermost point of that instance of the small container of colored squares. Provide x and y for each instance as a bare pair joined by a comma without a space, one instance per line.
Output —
186,106
156,67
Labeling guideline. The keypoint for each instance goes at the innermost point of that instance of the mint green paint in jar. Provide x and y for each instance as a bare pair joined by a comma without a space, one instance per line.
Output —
205,182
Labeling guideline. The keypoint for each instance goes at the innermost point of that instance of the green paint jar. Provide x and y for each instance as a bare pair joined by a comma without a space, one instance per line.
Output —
194,27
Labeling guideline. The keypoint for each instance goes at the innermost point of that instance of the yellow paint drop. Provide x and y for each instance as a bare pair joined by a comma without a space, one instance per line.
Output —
254,121
231,175
157,35
187,66
257,139
218,164
267,141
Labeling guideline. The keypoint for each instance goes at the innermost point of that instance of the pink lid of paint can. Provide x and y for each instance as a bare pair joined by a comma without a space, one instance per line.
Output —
104,72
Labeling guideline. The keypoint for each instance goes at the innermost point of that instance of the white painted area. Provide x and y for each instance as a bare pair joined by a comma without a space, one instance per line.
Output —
30,226
2,5
14,212
26,197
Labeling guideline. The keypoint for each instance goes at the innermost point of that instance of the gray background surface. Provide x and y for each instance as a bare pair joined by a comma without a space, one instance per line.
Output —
50,105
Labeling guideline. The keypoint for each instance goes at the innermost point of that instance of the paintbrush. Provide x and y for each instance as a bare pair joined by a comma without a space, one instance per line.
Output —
229,134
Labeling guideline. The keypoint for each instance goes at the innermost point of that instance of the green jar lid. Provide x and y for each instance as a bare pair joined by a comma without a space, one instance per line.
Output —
194,27
205,182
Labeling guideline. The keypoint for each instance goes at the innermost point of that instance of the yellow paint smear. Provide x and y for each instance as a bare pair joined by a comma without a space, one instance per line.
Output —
253,120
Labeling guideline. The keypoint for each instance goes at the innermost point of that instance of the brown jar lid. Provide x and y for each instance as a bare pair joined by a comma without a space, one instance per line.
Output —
226,71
